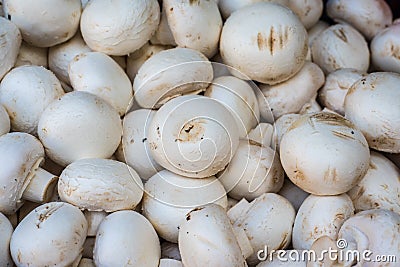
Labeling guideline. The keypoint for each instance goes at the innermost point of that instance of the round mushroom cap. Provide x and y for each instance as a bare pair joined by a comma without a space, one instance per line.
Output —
126,238
264,41
31,55
169,197
99,74
385,49
10,40
194,136
372,104
51,235
339,148
4,121
6,231
100,184
309,11
119,27
170,263
79,125
26,92
44,23
227,7
19,154
171,73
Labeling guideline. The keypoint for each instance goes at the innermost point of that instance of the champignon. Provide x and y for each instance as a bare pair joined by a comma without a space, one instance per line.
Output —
163,34
31,55
309,11
10,40
315,31
281,125
385,49
227,7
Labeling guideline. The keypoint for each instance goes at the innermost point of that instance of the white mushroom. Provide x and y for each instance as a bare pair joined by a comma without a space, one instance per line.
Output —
21,177
10,42
31,55
99,74
311,106
320,216
170,251
262,134
100,184
253,171
291,95
379,188
44,23
309,11
316,30
333,142
195,24
281,125
336,86
340,46
385,49
372,105
203,230
194,136
170,263
119,28
367,16
26,92
126,238
51,235
4,121
171,73
6,231
79,125
293,193
227,7
163,34
238,96
169,197
264,41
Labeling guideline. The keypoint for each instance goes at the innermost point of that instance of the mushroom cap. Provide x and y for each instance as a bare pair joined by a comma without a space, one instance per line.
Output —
44,23
4,121
100,184
19,154
309,11
320,216
10,38
169,197
227,7
126,238
194,136
171,73
238,96
119,28
339,148
315,31
195,24
372,104
99,74
51,235
26,92
367,16
163,34
31,55
281,126
253,170
135,146
340,46
6,231
203,230
79,125
385,49
265,41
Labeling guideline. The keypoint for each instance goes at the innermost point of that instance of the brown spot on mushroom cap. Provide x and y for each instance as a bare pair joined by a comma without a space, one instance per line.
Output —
395,51
340,34
192,131
193,2
276,40
343,135
331,119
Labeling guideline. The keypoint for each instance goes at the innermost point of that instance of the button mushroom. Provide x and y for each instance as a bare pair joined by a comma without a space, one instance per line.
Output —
6,231
309,11
94,218
10,40
227,7
4,121
31,55
281,126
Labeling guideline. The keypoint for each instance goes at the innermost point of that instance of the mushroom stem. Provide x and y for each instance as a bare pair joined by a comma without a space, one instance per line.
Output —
324,243
243,241
41,186
356,240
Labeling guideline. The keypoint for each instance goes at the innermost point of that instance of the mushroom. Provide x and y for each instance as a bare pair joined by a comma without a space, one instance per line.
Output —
6,230
99,74
264,41
170,251
293,193
10,40
31,55
79,125
309,11
372,105
51,235
126,238
21,177
194,136
171,73
135,146
320,216
385,49
26,92
340,46
253,171
202,231
367,16
169,197
61,55
339,148
4,121
170,263
311,107
163,34
194,24
119,29
281,126
379,188
336,86
227,7
262,134
54,21
291,95
238,96
315,31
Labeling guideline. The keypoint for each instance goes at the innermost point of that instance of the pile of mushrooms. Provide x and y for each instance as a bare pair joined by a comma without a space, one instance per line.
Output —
186,133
